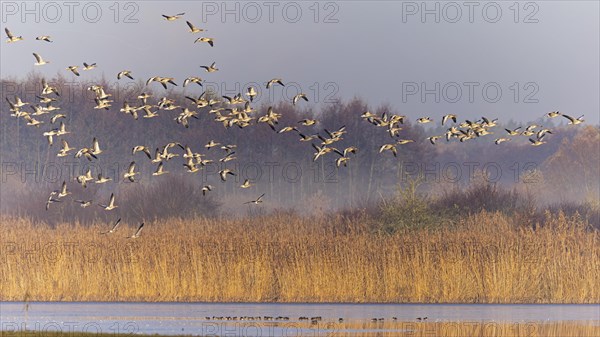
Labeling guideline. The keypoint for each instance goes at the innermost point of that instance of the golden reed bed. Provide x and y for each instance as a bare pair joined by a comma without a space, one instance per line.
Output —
486,258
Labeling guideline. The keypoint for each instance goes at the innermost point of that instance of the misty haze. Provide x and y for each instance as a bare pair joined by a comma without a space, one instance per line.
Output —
300,168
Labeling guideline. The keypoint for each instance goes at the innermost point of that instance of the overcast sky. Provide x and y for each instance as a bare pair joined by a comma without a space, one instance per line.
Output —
542,55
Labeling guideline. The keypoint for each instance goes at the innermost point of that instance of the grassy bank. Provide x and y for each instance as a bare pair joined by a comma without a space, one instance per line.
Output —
482,258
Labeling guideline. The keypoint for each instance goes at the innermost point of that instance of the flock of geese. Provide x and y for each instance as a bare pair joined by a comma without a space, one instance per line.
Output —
236,111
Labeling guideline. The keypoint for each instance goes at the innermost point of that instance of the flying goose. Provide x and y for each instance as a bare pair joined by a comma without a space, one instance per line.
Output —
224,173
553,114
206,188
101,179
246,184
501,140
73,69
298,97
65,149
251,93
404,141
448,116
130,174
125,73
47,89
342,161
194,29
89,66
11,37
83,203
172,17
389,147
514,132
424,120
32,121
273,81
196,80
137,232
574,121
351,149
211,144
159,170
44,38
208,40
51,200
63,190
304,138
55,117
321,151
111,203
114,227
39,60
211,68
537,142
141,148
432,139
308,122
257,201
87,153
84,178
191,166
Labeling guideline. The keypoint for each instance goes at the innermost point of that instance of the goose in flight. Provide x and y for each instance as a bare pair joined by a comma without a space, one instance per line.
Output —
141,148
432,139
404,141
211,68
574,121
246,184
273,81
537,141
424,120
111,203
553,114
342,161
84,178
39,60
101,179
251,93
89,66
159,170
11,37
130,174
73,69
298,97
501,140
206,188
44,38
194,29
447,117
47,89
64,151
514,132
83,203
162,80
196,80
51,200
208,40
114,227
389,147
191,166
56,117
63,190
308,122
224,173
137,232
257,201
173,17
125,73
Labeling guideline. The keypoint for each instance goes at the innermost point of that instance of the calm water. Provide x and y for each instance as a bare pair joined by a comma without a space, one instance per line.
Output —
191,318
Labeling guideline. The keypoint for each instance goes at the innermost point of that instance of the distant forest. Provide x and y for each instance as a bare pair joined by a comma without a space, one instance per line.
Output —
279,164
